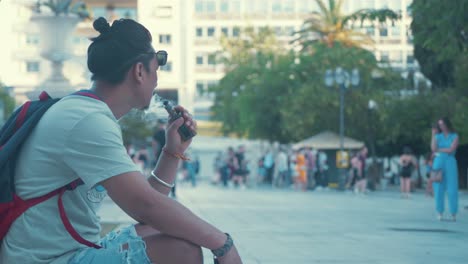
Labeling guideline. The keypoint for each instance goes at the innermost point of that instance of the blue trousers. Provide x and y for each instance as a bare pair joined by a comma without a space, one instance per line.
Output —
448,185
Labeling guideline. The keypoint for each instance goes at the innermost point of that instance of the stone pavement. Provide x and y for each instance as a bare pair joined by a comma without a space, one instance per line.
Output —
272,226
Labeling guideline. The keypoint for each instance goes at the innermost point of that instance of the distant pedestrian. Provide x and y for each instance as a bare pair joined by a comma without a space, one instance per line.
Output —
269,164
311,160
282,177
218,166
261,171
300,181
446,144
141,158
407,165
240,173
359,175
322,170
232,165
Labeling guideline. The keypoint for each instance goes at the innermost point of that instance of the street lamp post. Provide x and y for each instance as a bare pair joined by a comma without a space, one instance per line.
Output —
343,79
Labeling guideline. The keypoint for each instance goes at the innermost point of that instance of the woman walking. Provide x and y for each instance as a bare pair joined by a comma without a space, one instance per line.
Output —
446,143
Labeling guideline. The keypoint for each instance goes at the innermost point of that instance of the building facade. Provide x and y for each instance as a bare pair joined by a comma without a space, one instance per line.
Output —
190,31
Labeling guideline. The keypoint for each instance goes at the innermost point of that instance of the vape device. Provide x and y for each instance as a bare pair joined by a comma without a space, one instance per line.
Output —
185,132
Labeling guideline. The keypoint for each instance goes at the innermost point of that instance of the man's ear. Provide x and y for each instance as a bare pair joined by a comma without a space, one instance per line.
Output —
138,71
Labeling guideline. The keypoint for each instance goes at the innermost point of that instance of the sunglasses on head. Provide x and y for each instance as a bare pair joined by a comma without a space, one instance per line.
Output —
161,56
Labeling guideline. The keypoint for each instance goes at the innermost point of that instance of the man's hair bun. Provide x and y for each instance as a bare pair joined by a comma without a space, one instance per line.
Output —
101,25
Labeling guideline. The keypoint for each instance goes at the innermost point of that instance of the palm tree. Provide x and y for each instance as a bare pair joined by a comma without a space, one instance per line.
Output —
329,25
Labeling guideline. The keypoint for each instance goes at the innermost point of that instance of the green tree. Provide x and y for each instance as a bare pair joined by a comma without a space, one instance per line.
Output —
330,25
8,101
280,96
246,60
440,30
319,105
136,128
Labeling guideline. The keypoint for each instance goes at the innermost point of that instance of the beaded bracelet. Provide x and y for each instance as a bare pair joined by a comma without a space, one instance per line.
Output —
175,155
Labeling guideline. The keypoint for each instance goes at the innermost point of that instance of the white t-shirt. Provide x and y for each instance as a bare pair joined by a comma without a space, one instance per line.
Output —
282,162
77,137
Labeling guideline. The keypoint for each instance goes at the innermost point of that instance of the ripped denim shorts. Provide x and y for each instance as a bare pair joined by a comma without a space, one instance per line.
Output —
118,247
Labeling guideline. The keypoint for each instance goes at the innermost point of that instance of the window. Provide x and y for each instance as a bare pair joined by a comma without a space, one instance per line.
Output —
307,6
370,31
364,4
409,35
32,39
383,32
396,31
164,39
225,31
384,57
224,6
235,32
395,5
210,6
235,6
211,32
211,84
205,6
262,6
167,67
199,6
276,6
211,59
288,6
32,66
199,32
410,58
199,60
250,7
200,86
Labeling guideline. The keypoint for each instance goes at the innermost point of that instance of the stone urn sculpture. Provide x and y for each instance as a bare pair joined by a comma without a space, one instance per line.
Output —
56,29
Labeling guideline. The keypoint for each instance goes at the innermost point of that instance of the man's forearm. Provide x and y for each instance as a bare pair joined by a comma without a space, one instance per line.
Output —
166,170
172,218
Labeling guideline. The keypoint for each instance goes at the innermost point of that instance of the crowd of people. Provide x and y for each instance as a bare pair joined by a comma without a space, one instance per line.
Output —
282,168
308,169
231,166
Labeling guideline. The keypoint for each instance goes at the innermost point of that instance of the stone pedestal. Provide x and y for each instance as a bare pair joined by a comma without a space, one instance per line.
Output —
55,45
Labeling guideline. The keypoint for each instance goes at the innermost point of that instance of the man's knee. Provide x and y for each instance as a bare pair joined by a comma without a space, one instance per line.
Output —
193,253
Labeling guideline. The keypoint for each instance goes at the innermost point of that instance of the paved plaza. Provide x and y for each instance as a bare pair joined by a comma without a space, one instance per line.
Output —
272,226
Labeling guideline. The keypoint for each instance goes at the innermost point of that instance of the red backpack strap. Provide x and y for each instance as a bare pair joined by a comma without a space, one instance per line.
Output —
66,222
88,94
22,115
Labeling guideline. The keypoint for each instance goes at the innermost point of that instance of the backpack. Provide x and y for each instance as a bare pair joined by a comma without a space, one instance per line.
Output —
12,136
